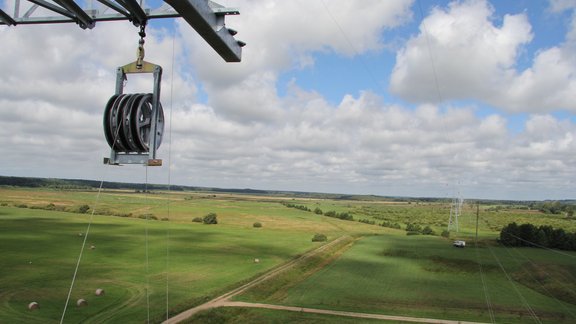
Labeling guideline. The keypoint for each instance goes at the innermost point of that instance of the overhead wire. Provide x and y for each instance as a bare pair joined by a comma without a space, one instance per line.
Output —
548,293
434,72
518,292
350,43
169,176
94,208
543,247
147,261
487,298
566,279
81,251
440,99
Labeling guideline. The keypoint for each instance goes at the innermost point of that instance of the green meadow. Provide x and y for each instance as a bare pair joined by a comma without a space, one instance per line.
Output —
425,276
153,261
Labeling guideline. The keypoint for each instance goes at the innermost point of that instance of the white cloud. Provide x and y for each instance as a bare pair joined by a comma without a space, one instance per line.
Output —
364,142
461,53
561,5
57,79
284,35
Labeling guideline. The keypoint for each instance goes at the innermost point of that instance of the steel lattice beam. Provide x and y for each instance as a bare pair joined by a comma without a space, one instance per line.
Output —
4,17
115,7
205,16
210,25
53,7
138,15
83,19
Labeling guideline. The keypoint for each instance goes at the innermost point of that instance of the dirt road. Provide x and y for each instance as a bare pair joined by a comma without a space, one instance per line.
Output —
221,300
224,300
342,313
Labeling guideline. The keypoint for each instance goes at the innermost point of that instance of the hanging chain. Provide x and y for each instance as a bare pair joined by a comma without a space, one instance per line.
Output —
140,51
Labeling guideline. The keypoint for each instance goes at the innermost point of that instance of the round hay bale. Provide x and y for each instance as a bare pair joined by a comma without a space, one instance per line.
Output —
33,306
92,247
99,292
80,234
256,260
81,302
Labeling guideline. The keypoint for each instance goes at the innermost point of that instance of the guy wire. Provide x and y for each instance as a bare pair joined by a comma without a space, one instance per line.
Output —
97,200
169,177
81,251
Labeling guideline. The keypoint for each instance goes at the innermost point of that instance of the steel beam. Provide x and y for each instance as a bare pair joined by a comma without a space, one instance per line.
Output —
115,7
205,16
138,15
6,18
83,19
54,8
210,26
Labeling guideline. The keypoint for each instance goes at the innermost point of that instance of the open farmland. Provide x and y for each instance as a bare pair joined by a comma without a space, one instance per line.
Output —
423,276
41,234
151,258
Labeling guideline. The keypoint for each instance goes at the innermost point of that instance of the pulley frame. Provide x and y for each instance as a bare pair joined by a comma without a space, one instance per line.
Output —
118,157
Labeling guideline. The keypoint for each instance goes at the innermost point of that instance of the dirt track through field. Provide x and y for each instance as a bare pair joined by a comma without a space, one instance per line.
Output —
342,313
224,300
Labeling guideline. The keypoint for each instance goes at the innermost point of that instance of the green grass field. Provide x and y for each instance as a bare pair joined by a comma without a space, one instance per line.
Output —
427,277
150,267
187,262
39,250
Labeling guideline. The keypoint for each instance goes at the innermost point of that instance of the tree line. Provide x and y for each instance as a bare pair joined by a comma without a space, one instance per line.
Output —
344,216
554,207
542,236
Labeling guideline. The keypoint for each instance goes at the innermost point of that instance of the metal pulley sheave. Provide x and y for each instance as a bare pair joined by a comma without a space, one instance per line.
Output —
128,123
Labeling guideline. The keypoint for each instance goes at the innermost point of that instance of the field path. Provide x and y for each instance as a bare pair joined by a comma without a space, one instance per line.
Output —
342,313
224,300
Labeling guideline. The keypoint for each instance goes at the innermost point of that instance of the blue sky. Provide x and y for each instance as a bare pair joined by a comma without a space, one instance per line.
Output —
398,98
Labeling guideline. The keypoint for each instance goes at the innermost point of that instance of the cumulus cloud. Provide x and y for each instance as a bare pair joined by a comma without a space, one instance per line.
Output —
561,5
461,52
228,125
284,35
364,143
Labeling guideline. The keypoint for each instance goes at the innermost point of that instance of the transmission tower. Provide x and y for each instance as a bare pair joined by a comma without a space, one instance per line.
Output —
455,210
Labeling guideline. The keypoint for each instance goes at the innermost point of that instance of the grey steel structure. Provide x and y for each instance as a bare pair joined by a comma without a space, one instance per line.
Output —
205,16
133,123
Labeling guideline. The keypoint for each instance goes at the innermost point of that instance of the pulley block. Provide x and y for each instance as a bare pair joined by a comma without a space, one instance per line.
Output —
134,123
128,121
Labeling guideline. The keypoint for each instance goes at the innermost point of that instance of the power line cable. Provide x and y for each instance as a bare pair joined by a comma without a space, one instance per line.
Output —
520,295
536,244
169,177
430,54
350,44
543,247
146,248
96,203
549,294
81,251
479,261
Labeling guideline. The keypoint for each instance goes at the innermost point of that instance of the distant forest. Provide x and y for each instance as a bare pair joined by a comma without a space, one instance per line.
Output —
549,207
83,184
544,236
